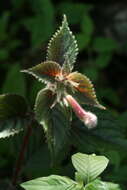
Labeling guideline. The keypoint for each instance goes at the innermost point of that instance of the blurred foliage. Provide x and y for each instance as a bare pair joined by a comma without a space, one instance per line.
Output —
101,32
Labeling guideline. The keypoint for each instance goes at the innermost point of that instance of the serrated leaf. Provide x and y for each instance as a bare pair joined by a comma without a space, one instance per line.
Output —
50,183
84,90
55,120
62,47
89,166
101,185
44,101
13,109
11,127
45,72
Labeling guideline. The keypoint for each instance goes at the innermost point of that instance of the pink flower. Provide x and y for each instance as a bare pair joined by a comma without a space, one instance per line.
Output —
89,119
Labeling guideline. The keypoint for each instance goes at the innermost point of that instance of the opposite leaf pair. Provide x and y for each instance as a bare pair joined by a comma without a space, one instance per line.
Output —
57,73
88,168
52,103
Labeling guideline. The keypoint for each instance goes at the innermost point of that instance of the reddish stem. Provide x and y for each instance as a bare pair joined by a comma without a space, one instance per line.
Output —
21,155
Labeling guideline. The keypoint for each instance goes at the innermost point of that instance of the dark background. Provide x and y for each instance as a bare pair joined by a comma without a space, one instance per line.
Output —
101,31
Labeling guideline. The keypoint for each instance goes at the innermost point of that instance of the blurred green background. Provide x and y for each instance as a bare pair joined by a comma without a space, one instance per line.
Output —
101,31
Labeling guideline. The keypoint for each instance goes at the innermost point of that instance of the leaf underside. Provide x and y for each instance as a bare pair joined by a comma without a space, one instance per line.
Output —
83,89
62,47
89,166
45,72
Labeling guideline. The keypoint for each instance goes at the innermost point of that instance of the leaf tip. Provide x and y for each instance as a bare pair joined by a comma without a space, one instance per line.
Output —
64,22
64,18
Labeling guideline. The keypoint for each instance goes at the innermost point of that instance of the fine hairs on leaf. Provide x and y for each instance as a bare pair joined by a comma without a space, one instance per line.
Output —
61,82
62,47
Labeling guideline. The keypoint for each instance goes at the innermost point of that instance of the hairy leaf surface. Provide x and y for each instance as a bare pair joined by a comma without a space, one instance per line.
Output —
62,47
84,90
45,72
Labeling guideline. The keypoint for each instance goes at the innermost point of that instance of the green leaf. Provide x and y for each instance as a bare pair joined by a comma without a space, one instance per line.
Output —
45,72
79,179
14,82
100,185
83,89
13,109
62,47
44,101
55,120
89,166
50,183
13,126
34,89
113,186
102,44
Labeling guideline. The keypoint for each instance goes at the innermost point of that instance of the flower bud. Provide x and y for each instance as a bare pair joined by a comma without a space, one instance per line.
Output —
89,119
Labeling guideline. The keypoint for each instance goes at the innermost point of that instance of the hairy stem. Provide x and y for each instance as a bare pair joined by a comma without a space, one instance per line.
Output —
21,156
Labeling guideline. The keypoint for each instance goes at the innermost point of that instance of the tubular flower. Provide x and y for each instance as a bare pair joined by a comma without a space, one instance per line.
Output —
89,119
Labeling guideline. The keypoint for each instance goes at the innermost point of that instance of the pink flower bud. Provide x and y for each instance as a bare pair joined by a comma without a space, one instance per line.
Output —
89,119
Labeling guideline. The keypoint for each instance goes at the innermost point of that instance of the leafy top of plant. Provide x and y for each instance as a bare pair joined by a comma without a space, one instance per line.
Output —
64,89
